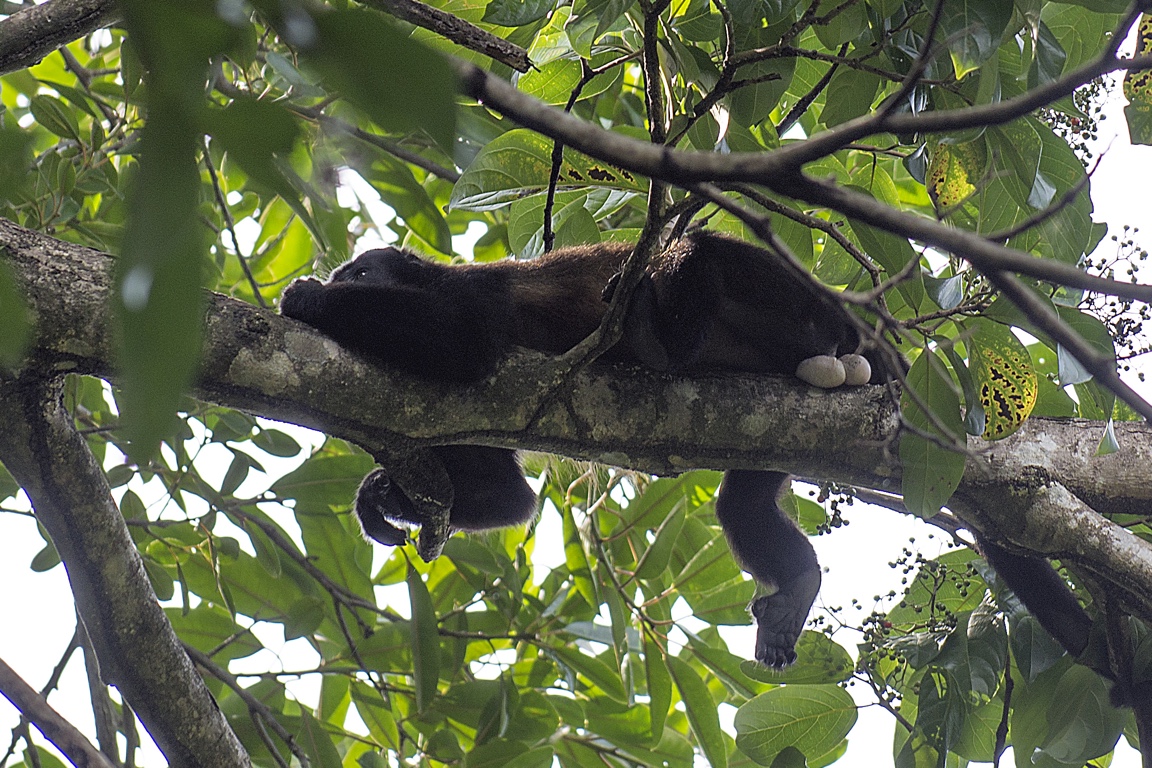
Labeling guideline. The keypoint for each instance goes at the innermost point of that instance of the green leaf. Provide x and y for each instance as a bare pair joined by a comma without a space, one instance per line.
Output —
14,319
1003,373
276,442
894,253
260,136
211,629
701,710
1083,724
813,719
425,640
659,686
158,297
931,472
819,659
656,558
1033,649
237,473
519,163
516,13
552,83
399,189
403,85
317,742
850,94
15,160
594,670
552,42
334,546
8,484
324,481
376,714
1091,330
56,116
972,29
46,559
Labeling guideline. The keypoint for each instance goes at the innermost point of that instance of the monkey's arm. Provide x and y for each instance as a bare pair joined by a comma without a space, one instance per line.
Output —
489,491
770,546
453,337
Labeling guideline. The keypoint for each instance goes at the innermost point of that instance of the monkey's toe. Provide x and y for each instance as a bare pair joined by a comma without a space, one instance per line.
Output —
780,618
778,626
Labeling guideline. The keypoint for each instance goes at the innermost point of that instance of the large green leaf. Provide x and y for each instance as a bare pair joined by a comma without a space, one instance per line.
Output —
403,85
158,297
399,189
972,30
813,719
701,710
425,640
931,471
519,163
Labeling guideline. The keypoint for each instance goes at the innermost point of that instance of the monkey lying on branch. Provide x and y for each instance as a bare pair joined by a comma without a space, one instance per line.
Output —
708,302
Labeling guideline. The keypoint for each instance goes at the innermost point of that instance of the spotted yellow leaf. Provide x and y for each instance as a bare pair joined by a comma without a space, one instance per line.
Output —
953,170
1138,89
1005,379
1138,83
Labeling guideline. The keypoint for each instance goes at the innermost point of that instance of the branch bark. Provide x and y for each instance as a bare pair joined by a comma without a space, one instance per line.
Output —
457,30
30,35
48,721
136,646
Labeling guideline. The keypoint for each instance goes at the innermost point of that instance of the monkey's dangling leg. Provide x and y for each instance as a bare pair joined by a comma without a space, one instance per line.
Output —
770,546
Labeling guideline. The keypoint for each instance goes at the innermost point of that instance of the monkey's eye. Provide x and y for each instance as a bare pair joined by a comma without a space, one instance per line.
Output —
359,273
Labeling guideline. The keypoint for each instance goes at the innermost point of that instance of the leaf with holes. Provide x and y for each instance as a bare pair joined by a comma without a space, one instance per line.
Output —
1005,380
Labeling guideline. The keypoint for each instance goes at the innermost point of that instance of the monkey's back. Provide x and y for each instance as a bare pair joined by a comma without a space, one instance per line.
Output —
557,299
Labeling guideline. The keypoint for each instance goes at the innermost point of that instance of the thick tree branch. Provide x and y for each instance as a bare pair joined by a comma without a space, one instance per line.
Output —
48,721
42,449
30,35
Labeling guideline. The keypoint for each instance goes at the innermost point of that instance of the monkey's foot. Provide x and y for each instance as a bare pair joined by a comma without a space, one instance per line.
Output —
377,503
822,371
857,370
780,619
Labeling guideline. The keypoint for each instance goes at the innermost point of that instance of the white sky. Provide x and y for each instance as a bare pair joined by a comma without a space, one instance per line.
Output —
37,608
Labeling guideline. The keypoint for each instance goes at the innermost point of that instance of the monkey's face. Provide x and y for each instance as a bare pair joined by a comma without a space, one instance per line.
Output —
382,266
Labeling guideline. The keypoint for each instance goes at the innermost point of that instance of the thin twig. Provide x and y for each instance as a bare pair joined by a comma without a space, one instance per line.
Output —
230,225
454,28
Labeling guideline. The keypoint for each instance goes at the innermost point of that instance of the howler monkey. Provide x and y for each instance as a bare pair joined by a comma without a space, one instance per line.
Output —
707,302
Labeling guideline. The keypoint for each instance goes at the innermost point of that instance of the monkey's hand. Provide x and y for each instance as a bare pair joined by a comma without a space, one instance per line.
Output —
378,502
780,619
301,300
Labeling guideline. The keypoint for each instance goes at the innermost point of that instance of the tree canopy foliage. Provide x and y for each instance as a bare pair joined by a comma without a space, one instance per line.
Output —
928,162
